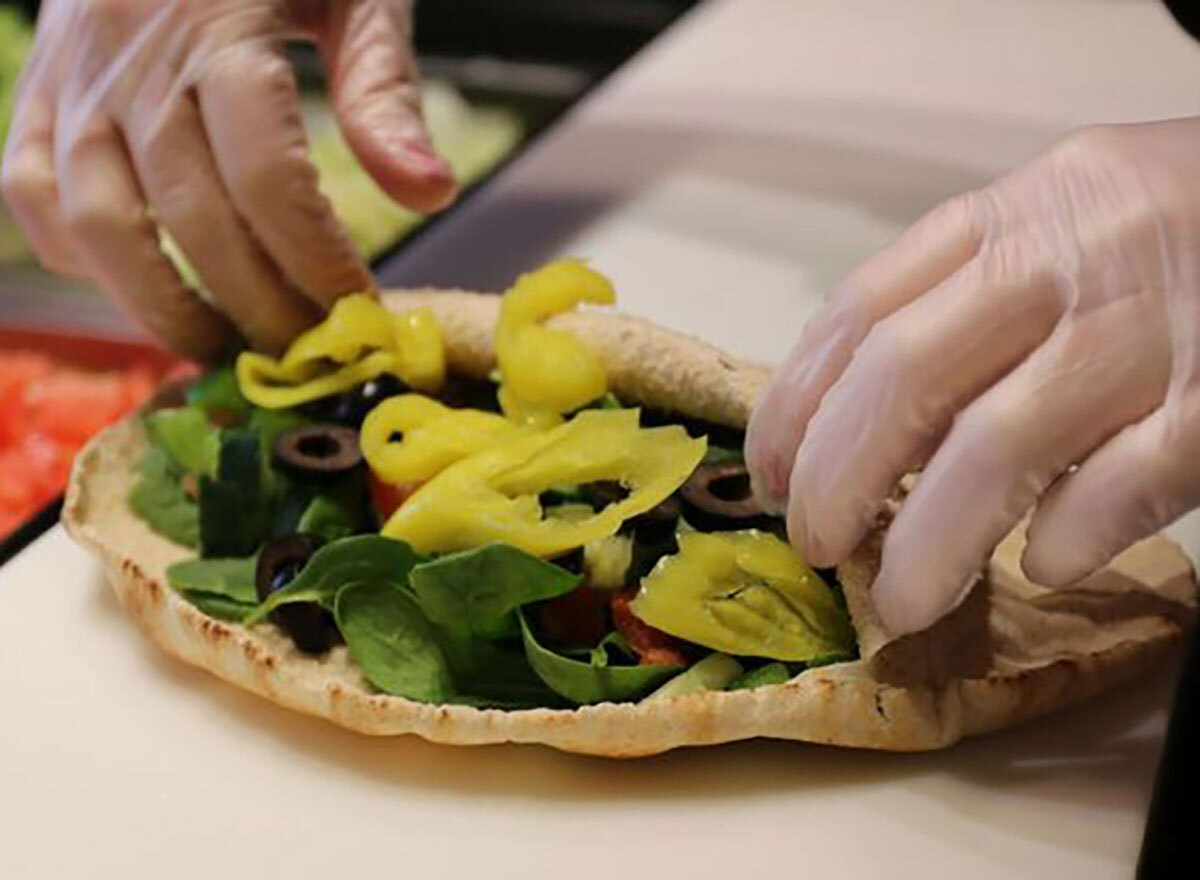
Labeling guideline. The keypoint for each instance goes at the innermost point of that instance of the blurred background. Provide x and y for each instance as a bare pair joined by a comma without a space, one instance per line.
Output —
496,75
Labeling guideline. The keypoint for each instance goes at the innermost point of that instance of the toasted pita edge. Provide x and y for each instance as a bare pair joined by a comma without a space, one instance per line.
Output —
843,704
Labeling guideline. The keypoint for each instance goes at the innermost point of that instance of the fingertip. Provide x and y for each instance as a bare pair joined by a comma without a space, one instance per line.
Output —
906,602
768,479
804,537
1056,556
411,173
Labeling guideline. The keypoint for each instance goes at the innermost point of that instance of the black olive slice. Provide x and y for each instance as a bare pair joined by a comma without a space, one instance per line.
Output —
351,407
602,493
319,450
464,392
307,624
717,497
657,524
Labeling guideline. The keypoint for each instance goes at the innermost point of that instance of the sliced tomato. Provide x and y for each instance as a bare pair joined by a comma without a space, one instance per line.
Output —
578,619
386,497
47,412
653,646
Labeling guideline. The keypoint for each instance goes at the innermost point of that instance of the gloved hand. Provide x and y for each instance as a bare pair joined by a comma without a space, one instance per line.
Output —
132,112
1049,320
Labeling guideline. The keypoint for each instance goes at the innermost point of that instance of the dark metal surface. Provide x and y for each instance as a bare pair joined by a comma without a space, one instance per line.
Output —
1168,848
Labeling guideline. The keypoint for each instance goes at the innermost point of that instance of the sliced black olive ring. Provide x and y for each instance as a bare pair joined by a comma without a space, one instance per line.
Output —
307,624
717,497
319,450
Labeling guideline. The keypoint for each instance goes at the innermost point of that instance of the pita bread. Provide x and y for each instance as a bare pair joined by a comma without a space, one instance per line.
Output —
1010,652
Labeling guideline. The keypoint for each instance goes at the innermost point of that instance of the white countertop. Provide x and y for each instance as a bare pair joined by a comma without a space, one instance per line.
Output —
725,180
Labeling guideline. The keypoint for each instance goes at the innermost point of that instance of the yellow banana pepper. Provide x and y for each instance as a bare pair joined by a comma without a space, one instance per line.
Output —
432,437
357,341
493,495
545,371
420,349
744,593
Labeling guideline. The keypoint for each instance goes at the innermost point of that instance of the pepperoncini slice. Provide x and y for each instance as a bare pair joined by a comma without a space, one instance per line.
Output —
357,341
432,437
420,349
493,496
547,371
744,593
269,384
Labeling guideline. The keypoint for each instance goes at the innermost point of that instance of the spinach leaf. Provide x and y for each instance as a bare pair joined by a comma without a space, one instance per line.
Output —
608,401
335,513
234,507
721,455
770,673
230,578
392,642
218,391
492,673
160,501
289,499
359,559
600,656
189,439
482,588
220,607
584,683
268,424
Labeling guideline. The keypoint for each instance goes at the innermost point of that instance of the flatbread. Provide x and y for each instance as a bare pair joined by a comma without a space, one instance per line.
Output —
1010,652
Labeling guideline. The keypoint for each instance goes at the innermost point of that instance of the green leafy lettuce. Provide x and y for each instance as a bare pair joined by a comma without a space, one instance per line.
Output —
590,682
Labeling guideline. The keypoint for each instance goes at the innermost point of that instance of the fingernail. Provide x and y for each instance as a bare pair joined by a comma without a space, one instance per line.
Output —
423,158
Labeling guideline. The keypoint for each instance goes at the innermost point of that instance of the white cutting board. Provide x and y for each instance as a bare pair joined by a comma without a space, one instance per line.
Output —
725,181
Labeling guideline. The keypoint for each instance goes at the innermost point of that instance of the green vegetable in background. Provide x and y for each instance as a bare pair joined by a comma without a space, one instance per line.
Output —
16,37
188,438
360,559
218,392
268,424
160,501
482,588
471,139
584,683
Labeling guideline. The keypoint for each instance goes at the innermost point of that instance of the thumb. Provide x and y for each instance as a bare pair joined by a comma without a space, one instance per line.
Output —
373,76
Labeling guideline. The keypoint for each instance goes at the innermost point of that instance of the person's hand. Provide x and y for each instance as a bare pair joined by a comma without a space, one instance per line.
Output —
135,114
1049,320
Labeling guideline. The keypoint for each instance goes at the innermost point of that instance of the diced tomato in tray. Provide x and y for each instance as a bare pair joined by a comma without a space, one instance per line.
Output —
56,391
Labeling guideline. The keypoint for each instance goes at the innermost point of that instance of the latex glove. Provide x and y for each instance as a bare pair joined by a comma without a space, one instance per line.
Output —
1048,320
187,113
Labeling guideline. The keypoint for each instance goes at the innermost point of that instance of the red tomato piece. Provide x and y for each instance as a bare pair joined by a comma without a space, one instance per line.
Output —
386,497
47,412
578,619
653,646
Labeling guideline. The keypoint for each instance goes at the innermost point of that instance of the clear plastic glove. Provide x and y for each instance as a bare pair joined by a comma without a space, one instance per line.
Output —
135,113
1049,320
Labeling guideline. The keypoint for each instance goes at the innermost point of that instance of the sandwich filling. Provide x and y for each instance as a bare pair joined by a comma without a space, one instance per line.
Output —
523,541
